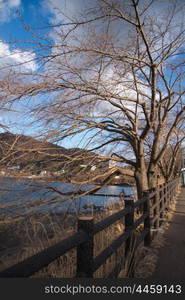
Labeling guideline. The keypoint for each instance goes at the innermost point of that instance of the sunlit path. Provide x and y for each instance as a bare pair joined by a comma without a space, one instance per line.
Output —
171,262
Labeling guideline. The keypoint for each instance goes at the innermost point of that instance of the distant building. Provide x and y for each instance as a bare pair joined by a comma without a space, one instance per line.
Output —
84,166
182,157
57,173
45,173
97,164
13,168
112,164
2,172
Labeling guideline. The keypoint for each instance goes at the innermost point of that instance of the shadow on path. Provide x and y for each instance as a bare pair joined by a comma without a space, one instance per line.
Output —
171,261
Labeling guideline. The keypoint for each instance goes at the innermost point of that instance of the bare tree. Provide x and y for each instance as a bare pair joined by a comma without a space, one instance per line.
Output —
113,76
171,162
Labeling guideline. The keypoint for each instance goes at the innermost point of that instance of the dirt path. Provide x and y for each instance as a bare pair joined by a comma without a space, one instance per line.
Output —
171,261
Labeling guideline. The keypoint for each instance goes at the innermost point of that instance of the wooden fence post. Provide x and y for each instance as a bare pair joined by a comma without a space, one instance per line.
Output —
162,202
178,185
170,193
129,224
165,193
147,221
85,250
157,209
173,191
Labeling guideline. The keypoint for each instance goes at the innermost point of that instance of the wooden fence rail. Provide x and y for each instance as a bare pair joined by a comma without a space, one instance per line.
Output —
151,207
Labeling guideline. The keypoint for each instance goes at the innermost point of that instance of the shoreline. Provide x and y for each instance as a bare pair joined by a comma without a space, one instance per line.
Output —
58,179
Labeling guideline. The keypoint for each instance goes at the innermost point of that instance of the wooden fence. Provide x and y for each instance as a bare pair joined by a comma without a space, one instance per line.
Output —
151,209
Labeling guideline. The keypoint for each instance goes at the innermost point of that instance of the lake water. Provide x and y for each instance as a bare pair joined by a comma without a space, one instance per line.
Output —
25,196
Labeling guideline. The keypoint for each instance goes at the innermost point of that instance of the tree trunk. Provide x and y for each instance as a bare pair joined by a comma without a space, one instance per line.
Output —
152,179
141,182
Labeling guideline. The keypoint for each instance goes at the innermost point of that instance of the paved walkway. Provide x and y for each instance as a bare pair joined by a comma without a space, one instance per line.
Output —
171,261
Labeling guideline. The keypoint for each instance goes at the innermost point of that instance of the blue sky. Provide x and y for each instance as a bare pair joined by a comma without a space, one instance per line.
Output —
15,25
14,16
28,11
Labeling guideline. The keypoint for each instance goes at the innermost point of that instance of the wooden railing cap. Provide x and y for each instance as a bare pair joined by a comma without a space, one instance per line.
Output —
85,218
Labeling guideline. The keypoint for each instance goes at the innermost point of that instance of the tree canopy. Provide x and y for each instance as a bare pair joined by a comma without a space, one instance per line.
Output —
114,77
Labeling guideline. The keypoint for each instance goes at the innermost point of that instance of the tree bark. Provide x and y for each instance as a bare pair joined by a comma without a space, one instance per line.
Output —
141,181
152,178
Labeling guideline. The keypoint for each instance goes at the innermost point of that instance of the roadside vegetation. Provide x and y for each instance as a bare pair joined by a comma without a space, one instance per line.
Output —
110,80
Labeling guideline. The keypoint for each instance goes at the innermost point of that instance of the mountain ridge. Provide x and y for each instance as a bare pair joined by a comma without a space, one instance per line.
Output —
35,155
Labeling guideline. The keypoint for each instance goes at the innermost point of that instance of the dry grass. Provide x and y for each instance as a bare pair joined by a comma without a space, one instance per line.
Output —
22,237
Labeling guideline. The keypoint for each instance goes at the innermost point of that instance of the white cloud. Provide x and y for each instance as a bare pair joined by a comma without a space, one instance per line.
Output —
8,9
14,3
63,10
16,59
124,88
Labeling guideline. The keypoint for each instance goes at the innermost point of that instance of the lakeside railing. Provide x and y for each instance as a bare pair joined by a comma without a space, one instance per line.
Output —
151,207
